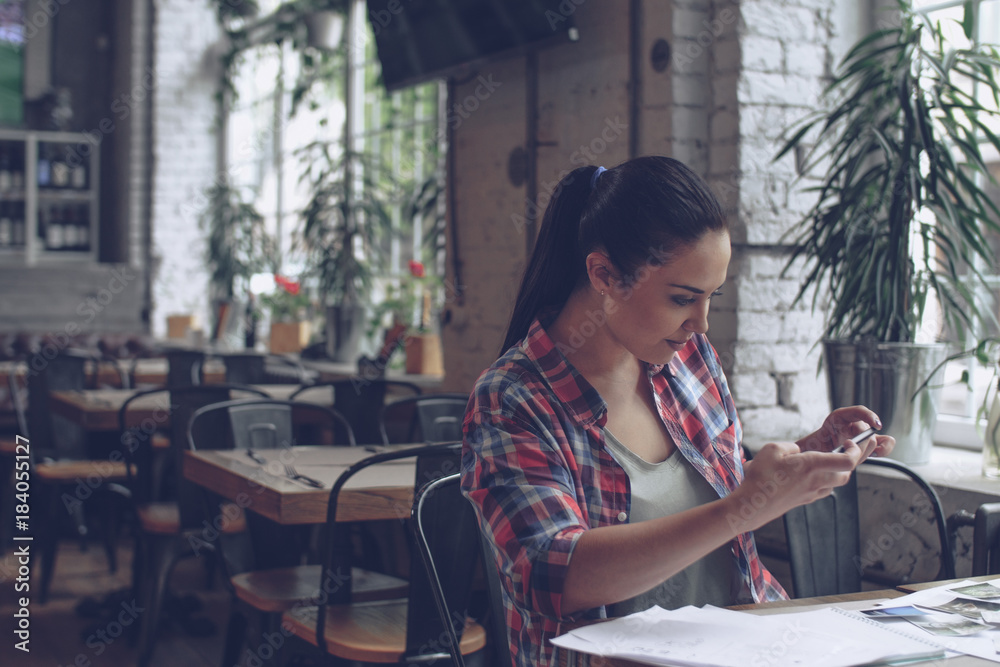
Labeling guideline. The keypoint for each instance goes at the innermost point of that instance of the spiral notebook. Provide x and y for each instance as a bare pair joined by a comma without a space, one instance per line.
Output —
713,637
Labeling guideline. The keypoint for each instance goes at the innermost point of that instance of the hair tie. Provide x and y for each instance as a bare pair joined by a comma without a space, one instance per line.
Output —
593,179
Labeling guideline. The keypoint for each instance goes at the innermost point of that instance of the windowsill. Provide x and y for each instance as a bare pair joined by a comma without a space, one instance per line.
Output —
953,468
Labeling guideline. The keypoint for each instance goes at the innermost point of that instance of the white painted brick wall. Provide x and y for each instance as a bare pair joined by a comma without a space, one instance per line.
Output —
785,51
183,155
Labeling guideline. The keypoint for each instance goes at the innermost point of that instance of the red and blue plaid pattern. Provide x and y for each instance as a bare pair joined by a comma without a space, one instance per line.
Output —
536,468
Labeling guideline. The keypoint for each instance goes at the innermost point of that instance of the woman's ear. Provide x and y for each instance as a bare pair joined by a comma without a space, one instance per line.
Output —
600,272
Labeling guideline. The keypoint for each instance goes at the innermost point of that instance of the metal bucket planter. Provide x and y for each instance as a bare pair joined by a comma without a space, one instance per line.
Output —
345,327
885,377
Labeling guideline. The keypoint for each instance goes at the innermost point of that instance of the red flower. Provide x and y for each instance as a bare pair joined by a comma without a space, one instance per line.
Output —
290,286
416,269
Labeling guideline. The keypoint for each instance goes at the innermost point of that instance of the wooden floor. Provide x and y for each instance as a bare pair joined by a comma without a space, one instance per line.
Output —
60,636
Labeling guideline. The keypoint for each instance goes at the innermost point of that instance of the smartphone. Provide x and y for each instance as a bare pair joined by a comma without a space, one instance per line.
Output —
858,439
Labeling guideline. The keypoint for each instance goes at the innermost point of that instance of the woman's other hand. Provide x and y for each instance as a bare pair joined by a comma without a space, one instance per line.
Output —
841,425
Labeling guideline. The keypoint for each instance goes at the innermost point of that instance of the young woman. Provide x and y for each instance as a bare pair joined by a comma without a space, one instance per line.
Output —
602,449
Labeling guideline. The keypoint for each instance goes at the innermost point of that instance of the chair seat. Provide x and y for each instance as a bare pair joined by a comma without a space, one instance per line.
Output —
8,444
71,470
281,589
161,441
370,631
164,518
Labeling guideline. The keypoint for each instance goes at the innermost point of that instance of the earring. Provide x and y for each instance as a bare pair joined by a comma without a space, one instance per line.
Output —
602,292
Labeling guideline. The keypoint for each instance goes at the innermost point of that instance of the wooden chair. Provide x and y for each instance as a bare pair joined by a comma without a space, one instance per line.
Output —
403,631
427,418
824,542
261,575
168,524
60,458
361,401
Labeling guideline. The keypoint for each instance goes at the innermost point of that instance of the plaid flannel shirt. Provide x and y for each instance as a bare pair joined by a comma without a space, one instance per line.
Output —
536,468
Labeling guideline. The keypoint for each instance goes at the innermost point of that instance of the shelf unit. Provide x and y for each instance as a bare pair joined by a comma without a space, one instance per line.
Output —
49,208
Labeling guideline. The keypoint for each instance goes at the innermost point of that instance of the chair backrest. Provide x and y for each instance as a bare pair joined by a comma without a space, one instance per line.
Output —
496,629
985,536
823,540
152,483
426,418
360,400
52,435
824,543
271,423
447,538
433,462
245,368
185,367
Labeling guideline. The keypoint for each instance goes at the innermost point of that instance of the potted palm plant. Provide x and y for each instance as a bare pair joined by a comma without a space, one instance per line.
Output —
345,230
237,247
901,214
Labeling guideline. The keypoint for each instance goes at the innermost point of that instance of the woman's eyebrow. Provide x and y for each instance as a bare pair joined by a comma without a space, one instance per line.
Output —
693,289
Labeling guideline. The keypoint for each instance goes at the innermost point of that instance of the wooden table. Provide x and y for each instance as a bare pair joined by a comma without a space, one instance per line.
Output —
97,409
913,588
384,491
860,600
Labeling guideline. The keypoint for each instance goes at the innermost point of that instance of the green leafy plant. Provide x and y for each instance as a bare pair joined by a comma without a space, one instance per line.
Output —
346,223
238,246
901,212
288,22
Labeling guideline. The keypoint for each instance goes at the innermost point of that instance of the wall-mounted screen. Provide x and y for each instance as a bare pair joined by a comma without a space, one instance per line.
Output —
419,40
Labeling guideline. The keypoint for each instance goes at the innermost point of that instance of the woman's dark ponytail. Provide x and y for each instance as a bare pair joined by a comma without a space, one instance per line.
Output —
638,213
556,263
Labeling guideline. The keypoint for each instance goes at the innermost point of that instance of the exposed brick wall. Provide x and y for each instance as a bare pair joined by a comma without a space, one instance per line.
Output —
184,154
740,74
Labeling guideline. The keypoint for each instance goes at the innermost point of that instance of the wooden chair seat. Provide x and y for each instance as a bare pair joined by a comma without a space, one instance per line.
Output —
8,445
279,590
161,441
71,470
370,631
164,518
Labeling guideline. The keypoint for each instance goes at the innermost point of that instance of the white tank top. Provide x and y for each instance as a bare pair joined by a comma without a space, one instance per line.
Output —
662,489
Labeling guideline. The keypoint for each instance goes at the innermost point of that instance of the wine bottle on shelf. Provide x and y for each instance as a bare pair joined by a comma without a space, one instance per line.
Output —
78,173
6,180
17,224
17,167
69,229
6,227
44,166
83,227
60,169
55,233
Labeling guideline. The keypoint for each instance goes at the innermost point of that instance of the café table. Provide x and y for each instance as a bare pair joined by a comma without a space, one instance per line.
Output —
97,409
854,601
913,588
380,492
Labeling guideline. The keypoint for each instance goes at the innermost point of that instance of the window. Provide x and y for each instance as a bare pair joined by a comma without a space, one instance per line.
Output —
958,405
400,136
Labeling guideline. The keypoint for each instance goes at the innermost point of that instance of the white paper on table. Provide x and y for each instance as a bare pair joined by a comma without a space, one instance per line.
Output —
724,638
